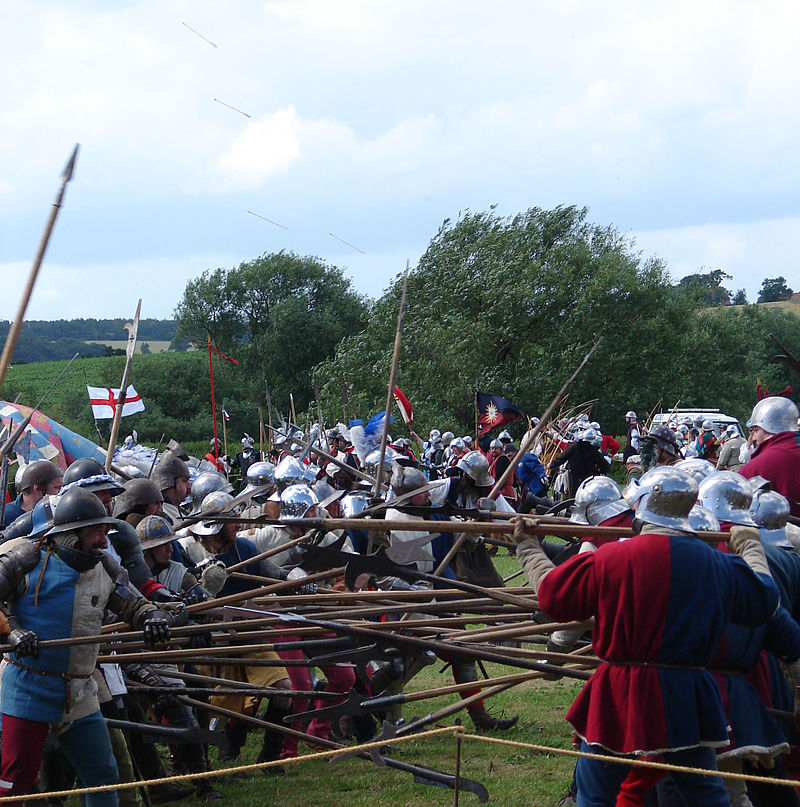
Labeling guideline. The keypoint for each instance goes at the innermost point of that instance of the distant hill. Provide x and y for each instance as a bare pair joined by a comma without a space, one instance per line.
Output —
54,340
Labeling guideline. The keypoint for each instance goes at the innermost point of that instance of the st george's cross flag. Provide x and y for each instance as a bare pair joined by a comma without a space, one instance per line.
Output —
104,402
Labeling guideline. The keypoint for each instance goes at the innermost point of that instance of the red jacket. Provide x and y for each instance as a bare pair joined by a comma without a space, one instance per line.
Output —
778,460
609,445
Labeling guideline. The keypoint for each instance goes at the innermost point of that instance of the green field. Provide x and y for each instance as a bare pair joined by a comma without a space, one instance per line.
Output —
156,346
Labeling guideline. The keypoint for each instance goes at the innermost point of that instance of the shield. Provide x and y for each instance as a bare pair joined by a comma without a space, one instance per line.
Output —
45,439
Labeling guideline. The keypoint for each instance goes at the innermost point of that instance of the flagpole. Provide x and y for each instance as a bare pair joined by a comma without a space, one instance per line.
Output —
224,438
476,417
213,403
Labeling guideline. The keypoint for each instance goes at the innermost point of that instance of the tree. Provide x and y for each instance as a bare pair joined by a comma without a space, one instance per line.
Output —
740,298
707,289
511,305
279,315
774,289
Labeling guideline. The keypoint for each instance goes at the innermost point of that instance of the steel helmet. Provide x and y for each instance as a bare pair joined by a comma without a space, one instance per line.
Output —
703,520
78,508
664,496
495,444
373,459
475,465
447,438
504,436
435,434
296,501
169,468
33,523
206,483
697,467
770,511
154,531
597,498
260,475
592,437
708,425
39,472
630,415
136,495
18,476
216,503
728,496
289,471
665,438
353,503
405,479
467,438
594,425
90,474
775,414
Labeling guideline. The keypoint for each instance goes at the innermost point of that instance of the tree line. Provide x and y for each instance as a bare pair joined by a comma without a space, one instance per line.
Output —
505,305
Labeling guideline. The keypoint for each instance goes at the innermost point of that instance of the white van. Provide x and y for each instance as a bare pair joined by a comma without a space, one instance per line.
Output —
721,421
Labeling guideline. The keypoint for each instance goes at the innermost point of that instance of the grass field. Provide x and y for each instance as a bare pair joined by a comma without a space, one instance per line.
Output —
514,777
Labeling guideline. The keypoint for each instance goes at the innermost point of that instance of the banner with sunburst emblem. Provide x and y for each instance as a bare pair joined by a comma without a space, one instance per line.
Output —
494,411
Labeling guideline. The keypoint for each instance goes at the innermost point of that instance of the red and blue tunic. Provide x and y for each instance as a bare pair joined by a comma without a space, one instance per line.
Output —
661,605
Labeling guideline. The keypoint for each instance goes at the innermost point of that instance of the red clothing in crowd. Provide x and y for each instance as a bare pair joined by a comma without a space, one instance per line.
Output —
778,460
609,445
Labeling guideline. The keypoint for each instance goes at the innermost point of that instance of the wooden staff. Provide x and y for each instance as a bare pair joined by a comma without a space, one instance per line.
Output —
16,325
526,443
319,413
261,431
269,414
133,329
398,338
292,413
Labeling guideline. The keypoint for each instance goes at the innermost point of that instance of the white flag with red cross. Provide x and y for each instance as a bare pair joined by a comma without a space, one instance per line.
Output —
104,402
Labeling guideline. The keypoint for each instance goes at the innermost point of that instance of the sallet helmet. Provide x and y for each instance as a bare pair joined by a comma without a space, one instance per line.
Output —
289,471
728,496
775,414
592,437
206,483
495,444
697,467
169,468
664,496
447,438
630,415
597,498
703,520
770,511
260,475
504,436
136,495
296,501
216,503
475,465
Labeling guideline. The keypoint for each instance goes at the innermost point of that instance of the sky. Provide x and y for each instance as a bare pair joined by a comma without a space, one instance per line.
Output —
357,128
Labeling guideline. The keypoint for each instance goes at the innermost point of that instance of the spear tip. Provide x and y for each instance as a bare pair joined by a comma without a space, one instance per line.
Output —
69,168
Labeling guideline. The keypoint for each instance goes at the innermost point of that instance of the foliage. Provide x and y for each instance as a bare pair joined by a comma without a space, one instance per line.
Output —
510,306
740,298
279,315
773,290
707,289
